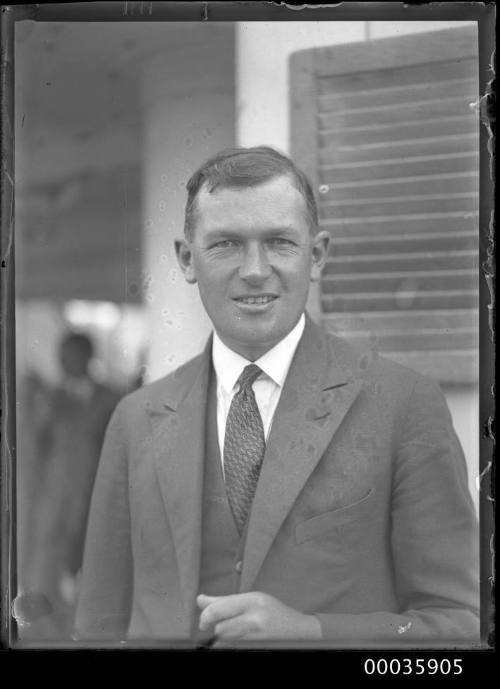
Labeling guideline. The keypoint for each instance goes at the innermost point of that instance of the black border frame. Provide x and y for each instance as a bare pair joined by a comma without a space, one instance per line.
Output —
484,13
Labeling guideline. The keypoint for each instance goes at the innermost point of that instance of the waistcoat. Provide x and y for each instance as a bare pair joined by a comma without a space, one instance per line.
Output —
221,545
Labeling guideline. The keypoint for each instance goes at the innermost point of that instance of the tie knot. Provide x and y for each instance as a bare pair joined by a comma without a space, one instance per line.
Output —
249,374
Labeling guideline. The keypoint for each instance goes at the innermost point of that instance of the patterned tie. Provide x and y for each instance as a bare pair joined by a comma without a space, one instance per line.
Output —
244,446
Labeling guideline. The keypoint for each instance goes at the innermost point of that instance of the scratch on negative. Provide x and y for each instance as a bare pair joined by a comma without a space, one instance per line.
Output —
404,628
481,476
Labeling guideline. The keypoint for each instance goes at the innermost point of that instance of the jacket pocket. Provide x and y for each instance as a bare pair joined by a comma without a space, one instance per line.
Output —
323,523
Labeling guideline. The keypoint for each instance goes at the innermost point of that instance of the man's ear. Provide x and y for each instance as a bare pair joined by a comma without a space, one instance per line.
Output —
320,247
185,259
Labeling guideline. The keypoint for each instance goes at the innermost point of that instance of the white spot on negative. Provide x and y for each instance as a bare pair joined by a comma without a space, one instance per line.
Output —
404,628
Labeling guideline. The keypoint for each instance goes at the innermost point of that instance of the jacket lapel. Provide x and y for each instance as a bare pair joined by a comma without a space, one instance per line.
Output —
317,394
179,444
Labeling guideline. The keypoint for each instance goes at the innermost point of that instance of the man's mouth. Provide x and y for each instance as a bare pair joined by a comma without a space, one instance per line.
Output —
260,299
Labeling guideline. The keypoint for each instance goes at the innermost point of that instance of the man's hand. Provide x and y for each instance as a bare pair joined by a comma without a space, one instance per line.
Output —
254,616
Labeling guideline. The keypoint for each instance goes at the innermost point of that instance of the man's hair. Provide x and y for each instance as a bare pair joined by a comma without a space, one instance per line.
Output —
238,168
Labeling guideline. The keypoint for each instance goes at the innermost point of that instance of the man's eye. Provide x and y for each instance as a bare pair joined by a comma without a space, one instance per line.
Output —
224,244
280,241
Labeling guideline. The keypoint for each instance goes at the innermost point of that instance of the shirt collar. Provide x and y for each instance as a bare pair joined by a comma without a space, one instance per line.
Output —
275,363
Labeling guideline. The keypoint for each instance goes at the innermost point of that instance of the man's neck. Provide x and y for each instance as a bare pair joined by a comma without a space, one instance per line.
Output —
275,362
253,353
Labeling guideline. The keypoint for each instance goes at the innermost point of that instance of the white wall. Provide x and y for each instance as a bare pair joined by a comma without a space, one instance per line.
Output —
262,83
464,409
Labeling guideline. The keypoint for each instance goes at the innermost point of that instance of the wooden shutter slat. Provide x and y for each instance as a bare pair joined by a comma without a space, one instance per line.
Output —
404,223
380,80
363,200
394,113
418,339
400,167
417,261
451,183
368,151
348,246
415,299
380,321
415,280
403,132
409,329
372,98
361,208
401,179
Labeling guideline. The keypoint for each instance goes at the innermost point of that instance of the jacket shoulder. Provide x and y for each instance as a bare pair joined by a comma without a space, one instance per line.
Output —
171,386
367,363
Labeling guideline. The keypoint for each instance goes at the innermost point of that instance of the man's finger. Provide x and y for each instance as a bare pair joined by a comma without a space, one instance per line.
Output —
223,608
202,600
232,629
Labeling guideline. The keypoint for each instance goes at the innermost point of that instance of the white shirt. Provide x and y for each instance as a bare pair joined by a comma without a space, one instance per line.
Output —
275,363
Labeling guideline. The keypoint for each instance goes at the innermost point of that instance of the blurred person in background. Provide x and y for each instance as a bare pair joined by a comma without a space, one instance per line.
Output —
70,438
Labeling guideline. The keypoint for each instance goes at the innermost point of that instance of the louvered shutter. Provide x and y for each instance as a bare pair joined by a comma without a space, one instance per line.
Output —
389,133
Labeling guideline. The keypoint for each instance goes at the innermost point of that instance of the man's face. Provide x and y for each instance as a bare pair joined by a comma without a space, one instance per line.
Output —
253,257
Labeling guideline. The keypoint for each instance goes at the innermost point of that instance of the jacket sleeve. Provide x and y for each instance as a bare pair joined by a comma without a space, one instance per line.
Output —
106,589
434,538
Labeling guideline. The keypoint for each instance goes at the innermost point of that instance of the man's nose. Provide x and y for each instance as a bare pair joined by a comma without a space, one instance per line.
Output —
255,266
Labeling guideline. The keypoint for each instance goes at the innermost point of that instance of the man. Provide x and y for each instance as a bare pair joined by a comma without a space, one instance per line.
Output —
281,485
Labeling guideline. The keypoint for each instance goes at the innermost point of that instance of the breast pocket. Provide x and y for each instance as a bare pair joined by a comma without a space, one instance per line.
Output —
338,519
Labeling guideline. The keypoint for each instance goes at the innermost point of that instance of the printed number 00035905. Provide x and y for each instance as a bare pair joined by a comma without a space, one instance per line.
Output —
410,666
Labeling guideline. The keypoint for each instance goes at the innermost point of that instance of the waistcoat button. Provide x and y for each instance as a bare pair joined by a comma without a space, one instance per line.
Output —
238,566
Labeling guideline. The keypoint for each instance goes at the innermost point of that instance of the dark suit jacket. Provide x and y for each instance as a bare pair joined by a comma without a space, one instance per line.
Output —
362,513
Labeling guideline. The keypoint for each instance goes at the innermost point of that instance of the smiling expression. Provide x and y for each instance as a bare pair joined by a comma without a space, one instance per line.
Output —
253,257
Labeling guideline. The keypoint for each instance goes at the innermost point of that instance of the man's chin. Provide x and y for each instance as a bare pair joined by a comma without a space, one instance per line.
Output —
254,342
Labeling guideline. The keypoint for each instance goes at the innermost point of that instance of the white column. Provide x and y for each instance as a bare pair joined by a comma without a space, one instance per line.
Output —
263,85
189,114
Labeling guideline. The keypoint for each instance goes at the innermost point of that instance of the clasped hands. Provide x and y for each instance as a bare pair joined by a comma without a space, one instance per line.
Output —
254,616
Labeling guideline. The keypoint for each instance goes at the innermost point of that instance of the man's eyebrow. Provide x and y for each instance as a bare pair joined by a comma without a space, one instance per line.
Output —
281,230
216,233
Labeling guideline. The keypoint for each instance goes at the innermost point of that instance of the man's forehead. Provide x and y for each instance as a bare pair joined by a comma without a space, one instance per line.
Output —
278,188
278,183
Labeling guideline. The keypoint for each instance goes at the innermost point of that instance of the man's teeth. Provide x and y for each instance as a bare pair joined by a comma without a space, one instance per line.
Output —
256,300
